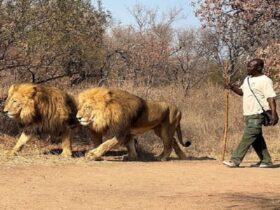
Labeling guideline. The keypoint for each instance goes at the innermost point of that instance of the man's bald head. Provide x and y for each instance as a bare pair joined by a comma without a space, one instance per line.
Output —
255,66
259,63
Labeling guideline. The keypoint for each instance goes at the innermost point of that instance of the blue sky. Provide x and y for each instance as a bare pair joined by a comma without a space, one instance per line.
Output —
120,13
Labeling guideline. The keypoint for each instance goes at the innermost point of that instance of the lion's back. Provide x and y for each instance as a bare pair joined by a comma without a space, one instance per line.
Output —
154,113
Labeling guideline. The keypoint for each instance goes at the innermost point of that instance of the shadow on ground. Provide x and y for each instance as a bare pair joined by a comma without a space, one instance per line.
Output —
79,154
143,155
249,166
253,201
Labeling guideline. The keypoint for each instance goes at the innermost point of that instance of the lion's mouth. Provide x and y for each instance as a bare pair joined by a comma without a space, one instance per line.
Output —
84,122
11,115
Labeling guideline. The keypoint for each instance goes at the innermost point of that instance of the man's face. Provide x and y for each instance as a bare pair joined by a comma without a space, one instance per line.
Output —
252,67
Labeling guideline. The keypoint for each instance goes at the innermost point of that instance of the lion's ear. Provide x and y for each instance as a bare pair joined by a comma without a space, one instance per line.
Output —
11,90
32,92
109,96
110,93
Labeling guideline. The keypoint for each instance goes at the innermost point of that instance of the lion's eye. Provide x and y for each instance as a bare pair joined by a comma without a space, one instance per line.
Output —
87,108
14,103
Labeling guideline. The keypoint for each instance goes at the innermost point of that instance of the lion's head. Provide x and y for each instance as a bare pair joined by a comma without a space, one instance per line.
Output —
20,103
85,113
93,108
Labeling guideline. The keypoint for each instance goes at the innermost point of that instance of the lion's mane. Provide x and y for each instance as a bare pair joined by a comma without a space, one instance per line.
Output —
49,110
114,110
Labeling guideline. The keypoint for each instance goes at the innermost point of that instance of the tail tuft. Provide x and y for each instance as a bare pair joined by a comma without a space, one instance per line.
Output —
187,144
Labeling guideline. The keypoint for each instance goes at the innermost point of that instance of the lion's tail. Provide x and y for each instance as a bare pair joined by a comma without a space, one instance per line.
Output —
180,138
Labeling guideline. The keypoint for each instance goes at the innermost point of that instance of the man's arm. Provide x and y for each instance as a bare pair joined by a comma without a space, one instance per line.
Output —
272,105
235,89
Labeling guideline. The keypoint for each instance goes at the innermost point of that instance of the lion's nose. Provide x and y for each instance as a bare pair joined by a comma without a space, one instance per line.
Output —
79,117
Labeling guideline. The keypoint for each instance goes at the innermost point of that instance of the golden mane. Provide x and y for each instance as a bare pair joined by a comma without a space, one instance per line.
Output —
51,109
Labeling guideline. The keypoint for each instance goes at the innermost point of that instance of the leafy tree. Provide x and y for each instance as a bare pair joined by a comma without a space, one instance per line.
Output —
43,40
244,27
152,52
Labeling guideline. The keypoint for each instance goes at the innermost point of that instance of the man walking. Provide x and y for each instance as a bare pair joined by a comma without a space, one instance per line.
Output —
258,96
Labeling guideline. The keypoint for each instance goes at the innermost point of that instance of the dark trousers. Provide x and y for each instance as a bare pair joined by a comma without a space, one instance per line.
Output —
252,136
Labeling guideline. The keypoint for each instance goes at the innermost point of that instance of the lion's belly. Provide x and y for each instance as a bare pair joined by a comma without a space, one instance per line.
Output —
150,119
139,130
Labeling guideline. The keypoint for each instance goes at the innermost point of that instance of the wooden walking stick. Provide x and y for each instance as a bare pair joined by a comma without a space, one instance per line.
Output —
226,98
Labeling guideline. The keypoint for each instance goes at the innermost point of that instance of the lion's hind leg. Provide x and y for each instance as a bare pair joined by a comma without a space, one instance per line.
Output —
163,132
175,119
179,152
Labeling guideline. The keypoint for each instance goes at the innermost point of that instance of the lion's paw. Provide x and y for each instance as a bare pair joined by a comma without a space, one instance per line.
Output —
10,153
161,158
92,156
66,154
129,158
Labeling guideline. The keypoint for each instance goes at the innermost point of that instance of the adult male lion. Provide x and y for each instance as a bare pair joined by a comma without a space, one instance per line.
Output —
41,109
117,115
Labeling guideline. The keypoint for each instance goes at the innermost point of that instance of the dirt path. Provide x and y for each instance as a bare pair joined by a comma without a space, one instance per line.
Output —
139,185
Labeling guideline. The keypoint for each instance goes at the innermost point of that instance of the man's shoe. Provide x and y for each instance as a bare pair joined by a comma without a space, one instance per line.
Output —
256,164
230,164
266,165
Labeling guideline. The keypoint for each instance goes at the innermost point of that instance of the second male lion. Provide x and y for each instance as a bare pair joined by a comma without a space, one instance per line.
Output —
117,115
41,109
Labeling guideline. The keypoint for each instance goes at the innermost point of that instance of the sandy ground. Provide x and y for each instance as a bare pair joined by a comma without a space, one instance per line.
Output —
188,184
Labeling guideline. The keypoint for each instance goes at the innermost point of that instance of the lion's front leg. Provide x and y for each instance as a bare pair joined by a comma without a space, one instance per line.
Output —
130,145
96,154
23,139
66,144
97,139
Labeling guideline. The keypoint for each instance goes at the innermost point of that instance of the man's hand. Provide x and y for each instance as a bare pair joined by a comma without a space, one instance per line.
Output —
274,119
234,88
274,116
228,85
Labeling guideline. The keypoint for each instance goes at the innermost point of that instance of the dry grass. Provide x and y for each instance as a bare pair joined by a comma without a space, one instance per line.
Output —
202,123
